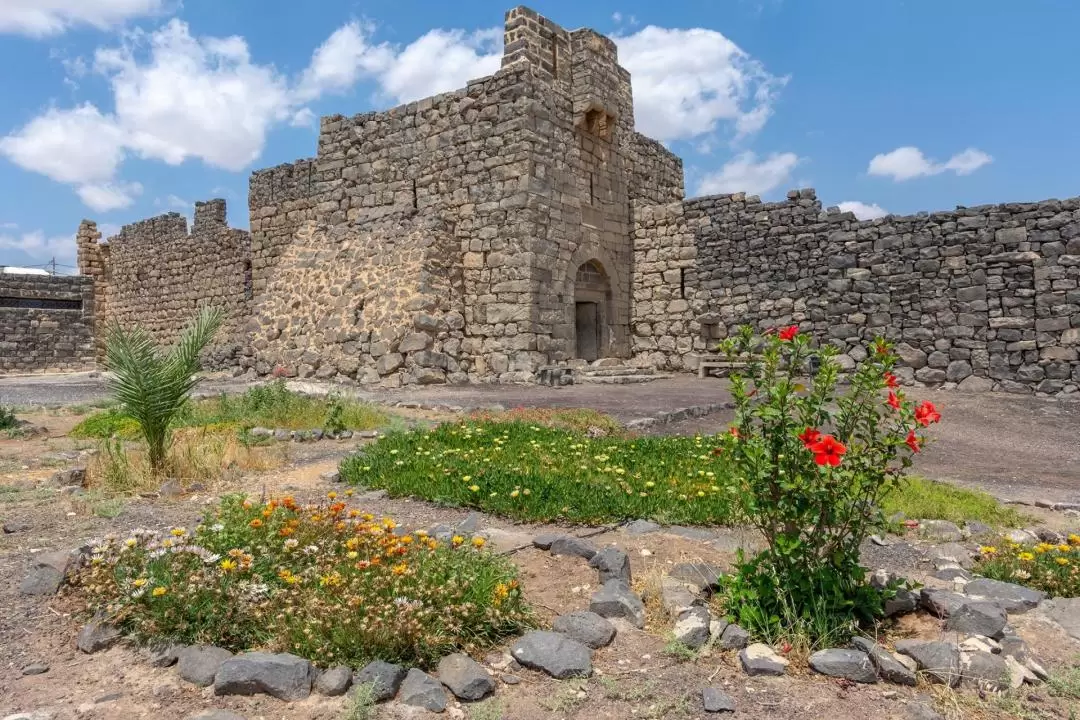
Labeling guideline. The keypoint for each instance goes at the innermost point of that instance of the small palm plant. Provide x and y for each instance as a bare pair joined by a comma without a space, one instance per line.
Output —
153,386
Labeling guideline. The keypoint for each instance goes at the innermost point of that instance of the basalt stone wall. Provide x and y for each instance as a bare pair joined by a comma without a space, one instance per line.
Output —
987,297
156,275
46,323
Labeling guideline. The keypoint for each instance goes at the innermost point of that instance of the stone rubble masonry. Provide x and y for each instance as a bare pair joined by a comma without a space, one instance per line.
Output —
475,235
57,335
155,274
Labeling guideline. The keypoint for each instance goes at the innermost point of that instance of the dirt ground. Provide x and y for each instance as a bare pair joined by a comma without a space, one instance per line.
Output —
634,678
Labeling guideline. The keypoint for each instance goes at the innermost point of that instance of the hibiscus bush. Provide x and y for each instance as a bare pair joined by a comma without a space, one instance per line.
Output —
325,581
811,461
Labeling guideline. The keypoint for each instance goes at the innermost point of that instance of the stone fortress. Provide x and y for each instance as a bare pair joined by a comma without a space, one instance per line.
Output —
489,234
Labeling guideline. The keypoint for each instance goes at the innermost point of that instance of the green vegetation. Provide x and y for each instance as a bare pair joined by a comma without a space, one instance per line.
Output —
153,386
325,582
361,703
1054,569
272,405
8,421
582,420
926,499
532,472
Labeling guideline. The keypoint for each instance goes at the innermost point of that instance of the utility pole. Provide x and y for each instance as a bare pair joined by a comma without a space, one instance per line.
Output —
52,265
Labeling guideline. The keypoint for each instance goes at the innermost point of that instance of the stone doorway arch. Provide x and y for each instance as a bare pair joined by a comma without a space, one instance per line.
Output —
592,311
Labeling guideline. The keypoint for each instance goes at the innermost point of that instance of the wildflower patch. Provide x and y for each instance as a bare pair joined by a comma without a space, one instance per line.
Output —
326,582
530,471
1054,569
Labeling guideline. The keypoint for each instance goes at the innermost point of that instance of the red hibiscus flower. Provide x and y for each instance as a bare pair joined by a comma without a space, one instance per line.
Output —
828,451
788,334
734,432
912,441
881,348
926,414
809,437
894,401
891,381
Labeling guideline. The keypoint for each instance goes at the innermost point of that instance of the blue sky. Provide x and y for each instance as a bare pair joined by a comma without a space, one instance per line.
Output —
122,109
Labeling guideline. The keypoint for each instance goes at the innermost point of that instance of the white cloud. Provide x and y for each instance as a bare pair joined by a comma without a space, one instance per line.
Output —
41,247
342,60
109,196
862,210
70,146
39,18
440,61
744,173
905,163
193,97
9,226
303,117
687,82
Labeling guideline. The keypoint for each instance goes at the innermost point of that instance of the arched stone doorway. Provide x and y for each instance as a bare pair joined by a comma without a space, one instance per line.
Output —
592,311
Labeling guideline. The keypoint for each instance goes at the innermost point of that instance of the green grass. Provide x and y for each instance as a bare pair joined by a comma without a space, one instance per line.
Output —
271,406
532,472
1066,683
361,702
528,471
924,499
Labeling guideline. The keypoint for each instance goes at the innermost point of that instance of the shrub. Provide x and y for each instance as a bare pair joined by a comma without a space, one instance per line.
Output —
152,386
107,424
8,421
811,466
323,581
1054,569
583,420
532,472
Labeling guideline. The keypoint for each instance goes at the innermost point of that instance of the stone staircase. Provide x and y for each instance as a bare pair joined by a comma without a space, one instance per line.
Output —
607,371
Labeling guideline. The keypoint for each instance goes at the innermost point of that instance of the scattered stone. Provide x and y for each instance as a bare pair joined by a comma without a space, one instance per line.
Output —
889,667
978,618
953,574
171,489
281,435
544,541
35,669
465,677
642,527
1018,674
977,529
384,677
1012,644
1013,598
35,715
853,665
611,564
1066,613
675,597
940,531
330,476
421,690
47,573
759,659
905,601
984,671
939,660
701,576
280,675
715,700
510,679
163,655
333,681
470,525
108,697
199,664
1035,667
980,643
217,715
922,711
1022,537
734,638
570,545
941,603
97,635
616,599
692,628
16,525
71,476
557,655
261,432
586,627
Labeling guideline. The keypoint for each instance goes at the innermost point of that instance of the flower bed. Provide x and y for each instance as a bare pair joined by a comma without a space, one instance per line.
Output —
1054,569
326,582
532,472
